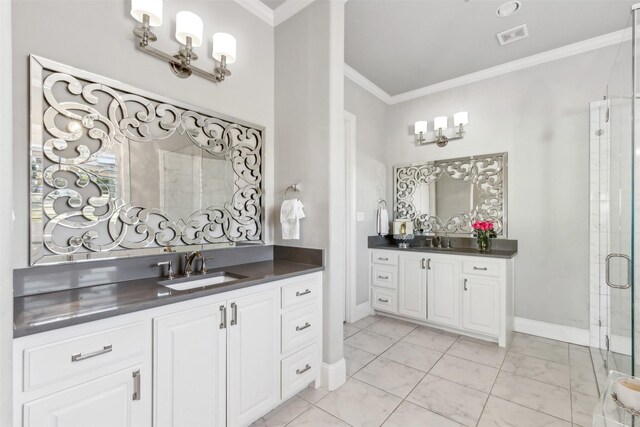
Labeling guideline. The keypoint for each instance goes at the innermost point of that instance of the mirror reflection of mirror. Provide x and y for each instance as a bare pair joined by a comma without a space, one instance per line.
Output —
446,196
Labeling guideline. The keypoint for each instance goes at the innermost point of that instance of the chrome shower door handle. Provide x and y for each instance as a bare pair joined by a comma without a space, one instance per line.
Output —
607,266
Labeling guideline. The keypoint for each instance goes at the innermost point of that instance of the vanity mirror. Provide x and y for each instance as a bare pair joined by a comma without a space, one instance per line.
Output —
446,196
118,171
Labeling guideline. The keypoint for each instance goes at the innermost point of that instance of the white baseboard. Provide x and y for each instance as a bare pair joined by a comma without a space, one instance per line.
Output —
552,331
334,375
361,311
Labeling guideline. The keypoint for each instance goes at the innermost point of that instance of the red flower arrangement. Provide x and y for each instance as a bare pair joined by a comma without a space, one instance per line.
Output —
484,231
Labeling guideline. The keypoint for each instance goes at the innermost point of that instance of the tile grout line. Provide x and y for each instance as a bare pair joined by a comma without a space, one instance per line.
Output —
496,379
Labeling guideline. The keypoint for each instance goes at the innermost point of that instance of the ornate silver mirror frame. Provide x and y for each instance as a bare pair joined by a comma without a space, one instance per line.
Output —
76,211
487,177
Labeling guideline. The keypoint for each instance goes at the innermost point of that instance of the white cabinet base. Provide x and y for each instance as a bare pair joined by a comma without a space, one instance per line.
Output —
467,295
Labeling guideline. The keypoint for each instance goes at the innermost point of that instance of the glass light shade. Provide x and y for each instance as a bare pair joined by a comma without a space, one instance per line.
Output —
420,126
188,24
440,122
461,118
224,44
153,8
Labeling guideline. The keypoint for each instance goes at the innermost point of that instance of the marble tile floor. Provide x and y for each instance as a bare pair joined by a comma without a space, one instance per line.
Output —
401,374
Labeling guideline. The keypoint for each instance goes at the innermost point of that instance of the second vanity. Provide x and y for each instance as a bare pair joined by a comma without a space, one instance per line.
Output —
141,354
456,289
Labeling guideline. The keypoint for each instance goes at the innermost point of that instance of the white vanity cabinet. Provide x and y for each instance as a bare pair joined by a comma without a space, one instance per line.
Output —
412,294
96,374
221,360
472,295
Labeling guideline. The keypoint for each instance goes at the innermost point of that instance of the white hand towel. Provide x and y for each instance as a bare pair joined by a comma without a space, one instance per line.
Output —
290,215
382,226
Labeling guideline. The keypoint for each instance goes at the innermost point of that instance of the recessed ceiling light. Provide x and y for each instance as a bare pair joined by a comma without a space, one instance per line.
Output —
508,8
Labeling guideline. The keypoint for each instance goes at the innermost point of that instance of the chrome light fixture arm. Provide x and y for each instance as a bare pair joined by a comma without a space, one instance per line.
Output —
179,63
441,140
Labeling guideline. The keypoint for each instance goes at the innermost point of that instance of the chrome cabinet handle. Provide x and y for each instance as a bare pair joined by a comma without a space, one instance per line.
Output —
429,264
424,263
305,326
299,294
303,370
465,285
383,259
383,277
234,314
479,268
223,317
136,385
383,300
79,356
607,266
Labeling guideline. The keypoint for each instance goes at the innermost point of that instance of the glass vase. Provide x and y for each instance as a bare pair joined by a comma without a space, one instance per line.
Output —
484,243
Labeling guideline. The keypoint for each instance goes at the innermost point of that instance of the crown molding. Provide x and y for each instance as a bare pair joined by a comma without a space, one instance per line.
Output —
277,16
509,67
367,84
287,9
259,9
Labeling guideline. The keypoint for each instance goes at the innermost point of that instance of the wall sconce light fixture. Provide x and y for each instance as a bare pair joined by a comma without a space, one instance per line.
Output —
189,33
440,125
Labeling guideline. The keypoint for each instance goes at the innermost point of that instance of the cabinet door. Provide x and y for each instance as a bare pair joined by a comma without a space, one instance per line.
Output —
444,290
253,364
105,402
190,368
480,300
412,285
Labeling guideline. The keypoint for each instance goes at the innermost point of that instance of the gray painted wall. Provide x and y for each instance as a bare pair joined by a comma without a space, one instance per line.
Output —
371,176
97,36
6,218
309,112
540,116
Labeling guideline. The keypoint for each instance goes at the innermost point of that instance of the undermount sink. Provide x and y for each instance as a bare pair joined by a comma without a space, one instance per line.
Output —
200,281
435,248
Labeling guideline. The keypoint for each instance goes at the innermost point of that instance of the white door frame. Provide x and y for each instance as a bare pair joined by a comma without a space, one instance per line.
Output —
350,216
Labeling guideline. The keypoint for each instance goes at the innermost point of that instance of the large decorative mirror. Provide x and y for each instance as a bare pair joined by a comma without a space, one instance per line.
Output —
447,196
117,171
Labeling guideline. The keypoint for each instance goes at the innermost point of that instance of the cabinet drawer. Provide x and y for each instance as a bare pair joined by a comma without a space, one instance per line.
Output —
384,300
481,268
301,293
384,257
298,370
384,276
80,355
299,328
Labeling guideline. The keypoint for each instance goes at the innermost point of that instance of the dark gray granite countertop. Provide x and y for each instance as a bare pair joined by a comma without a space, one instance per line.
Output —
493,253
53,310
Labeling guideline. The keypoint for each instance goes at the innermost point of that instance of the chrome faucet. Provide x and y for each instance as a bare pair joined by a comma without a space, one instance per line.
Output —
188,261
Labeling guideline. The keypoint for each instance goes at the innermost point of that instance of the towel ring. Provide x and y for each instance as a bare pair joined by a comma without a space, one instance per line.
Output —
294,187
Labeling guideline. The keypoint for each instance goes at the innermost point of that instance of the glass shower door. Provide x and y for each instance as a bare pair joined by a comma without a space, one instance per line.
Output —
616,214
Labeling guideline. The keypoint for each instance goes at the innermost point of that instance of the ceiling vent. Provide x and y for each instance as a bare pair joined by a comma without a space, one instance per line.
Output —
513,35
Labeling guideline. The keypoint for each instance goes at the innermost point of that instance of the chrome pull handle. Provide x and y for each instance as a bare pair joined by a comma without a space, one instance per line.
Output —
607,266
429,264
383,258
480,268
306,292
383,300
305,326
79,356
465,285
234,314
303,370
383,277
223,317
423,263
136,385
